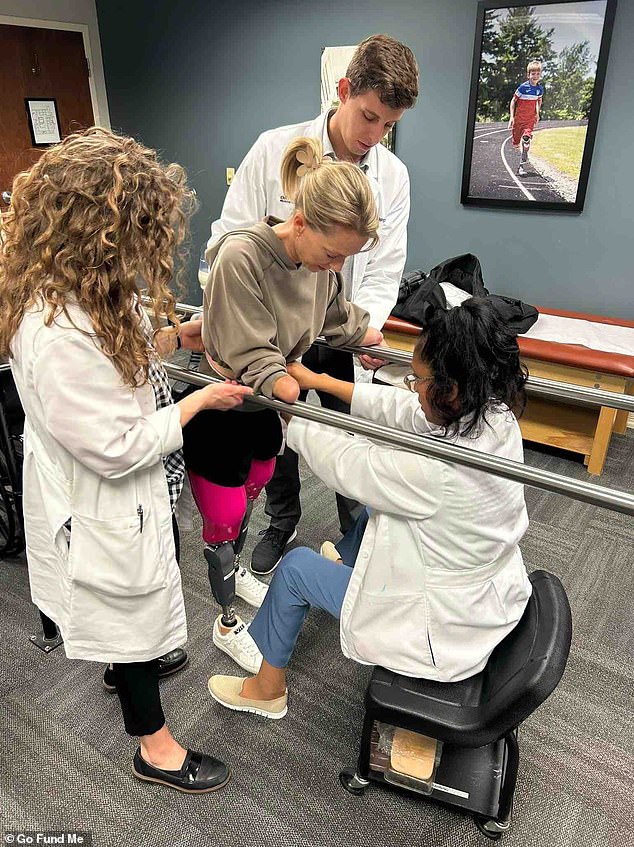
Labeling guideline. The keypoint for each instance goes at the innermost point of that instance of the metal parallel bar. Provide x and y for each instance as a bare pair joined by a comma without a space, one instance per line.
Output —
540,387
537,386
578,394
618,501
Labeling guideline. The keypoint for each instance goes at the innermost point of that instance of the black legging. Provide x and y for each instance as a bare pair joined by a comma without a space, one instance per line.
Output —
138,689
138,686
220,445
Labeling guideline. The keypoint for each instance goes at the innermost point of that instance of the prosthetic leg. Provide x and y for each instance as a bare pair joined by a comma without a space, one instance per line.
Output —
223,560
226,512
526,146
223,511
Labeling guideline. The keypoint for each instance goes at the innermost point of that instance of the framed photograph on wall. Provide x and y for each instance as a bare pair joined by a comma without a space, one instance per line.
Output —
43,121
334,64
536,84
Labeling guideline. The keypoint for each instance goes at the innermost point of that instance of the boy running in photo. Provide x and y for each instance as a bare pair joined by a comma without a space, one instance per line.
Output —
525,107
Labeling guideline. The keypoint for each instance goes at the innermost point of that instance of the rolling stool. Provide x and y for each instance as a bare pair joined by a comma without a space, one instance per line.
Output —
476,719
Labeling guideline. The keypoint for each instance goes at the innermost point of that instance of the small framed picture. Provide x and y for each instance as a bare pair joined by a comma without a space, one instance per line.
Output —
536,84
43,121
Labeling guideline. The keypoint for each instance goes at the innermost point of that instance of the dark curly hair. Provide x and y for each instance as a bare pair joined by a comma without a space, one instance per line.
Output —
470,349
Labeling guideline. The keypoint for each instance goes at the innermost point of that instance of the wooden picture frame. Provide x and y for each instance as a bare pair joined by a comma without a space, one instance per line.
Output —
563,46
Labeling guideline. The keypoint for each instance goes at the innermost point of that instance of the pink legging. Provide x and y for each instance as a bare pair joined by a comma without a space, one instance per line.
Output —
222,507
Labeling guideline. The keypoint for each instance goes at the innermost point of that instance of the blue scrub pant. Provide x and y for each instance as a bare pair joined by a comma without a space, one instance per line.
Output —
303,579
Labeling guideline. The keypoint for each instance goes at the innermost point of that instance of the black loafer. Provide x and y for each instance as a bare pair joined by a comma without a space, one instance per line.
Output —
199,773
171,662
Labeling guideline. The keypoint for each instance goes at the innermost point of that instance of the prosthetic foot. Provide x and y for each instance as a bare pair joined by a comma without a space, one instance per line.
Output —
526,146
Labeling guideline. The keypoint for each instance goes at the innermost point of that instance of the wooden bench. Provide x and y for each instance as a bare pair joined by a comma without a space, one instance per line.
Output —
580,429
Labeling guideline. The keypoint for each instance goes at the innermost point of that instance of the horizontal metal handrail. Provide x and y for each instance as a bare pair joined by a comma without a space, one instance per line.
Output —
578,394
536,386
618,501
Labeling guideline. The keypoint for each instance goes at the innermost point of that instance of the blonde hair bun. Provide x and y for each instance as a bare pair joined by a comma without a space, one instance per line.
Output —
329,193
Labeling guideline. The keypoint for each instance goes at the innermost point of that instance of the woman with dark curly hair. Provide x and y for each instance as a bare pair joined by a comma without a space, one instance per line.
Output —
431,578
97,218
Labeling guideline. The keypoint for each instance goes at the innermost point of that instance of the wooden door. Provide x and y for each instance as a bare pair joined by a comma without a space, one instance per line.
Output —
38,63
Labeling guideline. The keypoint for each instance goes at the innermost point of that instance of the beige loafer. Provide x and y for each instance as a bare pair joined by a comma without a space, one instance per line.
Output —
226,691
329,551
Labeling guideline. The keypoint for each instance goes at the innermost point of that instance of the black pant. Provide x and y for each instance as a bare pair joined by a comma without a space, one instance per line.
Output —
138,689
138,686
220,445
282,493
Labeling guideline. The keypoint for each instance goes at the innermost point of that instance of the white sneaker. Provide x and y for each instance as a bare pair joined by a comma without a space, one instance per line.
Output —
249,588
329,551
238,644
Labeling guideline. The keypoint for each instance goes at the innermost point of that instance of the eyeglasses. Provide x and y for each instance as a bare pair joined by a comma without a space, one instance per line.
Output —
412,381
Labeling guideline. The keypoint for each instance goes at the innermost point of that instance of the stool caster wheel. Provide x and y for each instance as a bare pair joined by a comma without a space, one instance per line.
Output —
351,782
491,827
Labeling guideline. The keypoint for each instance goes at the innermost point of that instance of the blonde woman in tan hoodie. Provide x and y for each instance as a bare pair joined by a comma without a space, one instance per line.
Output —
273,288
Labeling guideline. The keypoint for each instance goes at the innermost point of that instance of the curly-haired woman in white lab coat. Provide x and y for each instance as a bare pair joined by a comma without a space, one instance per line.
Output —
94,219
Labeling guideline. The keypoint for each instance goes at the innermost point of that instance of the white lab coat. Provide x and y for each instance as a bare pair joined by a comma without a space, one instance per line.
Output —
256,192
439,580
93,453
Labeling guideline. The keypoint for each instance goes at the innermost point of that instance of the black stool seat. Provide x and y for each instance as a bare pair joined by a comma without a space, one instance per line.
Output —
476,718
521,673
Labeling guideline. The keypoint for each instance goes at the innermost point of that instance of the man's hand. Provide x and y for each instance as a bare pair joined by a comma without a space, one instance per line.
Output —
511,122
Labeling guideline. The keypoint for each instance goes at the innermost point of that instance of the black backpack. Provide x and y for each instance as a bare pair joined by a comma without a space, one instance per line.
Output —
418,291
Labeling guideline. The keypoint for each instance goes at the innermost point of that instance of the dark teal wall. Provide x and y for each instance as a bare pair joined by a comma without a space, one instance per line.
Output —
199,80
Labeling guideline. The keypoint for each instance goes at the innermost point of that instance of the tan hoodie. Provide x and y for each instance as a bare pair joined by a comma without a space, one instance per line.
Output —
261,310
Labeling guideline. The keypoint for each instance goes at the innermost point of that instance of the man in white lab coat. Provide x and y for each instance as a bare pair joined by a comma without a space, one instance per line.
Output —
381,82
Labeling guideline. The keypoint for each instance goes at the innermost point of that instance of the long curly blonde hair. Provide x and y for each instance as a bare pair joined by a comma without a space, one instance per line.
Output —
97,219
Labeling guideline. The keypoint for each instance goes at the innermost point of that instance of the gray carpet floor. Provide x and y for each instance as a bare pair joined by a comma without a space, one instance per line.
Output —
65,760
